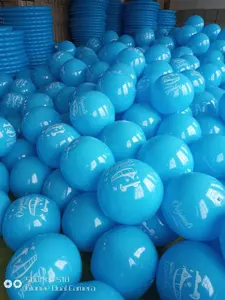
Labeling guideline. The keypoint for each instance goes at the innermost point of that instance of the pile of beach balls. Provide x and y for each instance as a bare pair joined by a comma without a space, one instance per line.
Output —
117,148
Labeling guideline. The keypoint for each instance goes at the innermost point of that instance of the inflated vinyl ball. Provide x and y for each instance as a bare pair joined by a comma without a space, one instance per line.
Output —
57,60
6,81
131,272
72,72
109,52
52,89
27,217
185,267
91,290
182,51
169,156
180,65
41,76
4,178
4,204
20,150
144,37
156,69
212,74
39,259
193,61
36,100
62,100
166,41
24,87
201,218
171,93
37,120
211,125
157,52
204,103
119,88
144,116
182,126
56,188
199,43
134,58
212,57
127,40
122,68
109,36
11,104
209,155
184,34
197,80
67,46
84,222
53,141
124,138
83,162
212,31
196,21
130,192
84,88
28,176
158,230
91,112
94,43
96,71
7,137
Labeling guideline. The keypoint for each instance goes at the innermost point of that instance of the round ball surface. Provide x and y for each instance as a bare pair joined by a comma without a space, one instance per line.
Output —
57,60
94,44
126,240
109,52
72,72
24,87
36,100
158,231
185,33
157,52
193,61
67,46
204,103
144,116
27,217
199,43
144,37
199,219
41,76
4,204
124,138
11,104
7,137
196,21
134,58
171,93
53,141
63,99
197,80
4,178
52,89
96,71
182,51
160,153
118,192
180,65
212,74
211,125
127,40
182,126
56,188
84,222
166,41
209,159
156,69
20,150
212,31
109,36
122,68
81,167
190,262
44,254
119,88
91,112
5,83
84,88
28,176
37,120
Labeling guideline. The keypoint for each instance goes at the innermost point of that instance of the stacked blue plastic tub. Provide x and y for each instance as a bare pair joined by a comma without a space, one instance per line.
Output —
139,14
114,16
13,57
37,24
88,19
166,21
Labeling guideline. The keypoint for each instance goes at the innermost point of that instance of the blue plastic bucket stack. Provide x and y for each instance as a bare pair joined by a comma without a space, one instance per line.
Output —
166,21
37,24
115,16
139,14
87,19
13,57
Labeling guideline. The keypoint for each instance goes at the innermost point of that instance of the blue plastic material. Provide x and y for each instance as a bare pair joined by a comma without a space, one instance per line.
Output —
196,21
212,74
211,125
204,103
4,204
199,43
72,72
197,80
36,100
4,178
157,52
63,99
96,70
144,37
7,137
212,31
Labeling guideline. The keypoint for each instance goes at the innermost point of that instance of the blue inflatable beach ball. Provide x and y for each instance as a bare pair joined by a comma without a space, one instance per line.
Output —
79,221
42,255
197,80
41,76
161,150
180,65
211,125
52,89
125,240
196,21
63,99
53,141
182,126
182,51
6,81
144,37
119,88
199,44
122,68
193,61
36,100
91,112
28,176
96,71
4,178
67,46
156,69
118,188
7,137
83,174
124,138
109,36
23,215
212,31
212,74
204,153
127,40
73,72
57,60
205,103
182,269
24,87
94,43
4,204
12,104
184,34
171,93
201,188
157,52
166,41
109,52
